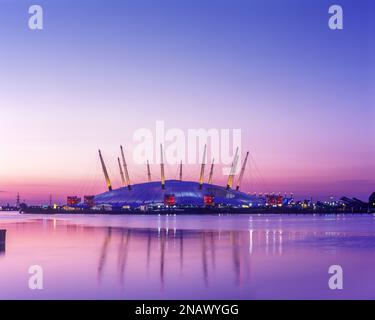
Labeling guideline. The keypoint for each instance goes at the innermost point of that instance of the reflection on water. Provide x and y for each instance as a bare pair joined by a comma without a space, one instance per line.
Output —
246,258
167,245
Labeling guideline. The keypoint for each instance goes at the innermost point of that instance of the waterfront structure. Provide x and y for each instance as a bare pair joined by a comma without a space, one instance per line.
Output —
354,204
197,196
73,200
175,193
371,202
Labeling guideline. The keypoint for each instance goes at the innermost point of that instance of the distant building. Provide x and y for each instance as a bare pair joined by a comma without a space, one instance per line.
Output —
73,200
89,200
274,200
371,201
354,204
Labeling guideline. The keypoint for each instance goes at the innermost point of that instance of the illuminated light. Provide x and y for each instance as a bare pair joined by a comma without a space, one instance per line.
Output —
169,200
208,200
73,200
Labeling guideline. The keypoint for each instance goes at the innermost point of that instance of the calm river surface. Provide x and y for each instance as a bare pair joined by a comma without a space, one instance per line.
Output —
187,257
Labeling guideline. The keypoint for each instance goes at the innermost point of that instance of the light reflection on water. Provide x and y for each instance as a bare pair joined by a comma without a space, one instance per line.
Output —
187,257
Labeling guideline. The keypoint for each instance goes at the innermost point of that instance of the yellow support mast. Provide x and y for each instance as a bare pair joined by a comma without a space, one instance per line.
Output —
148,172
232,171
107,180
202,167
123,182
162,168
211,172
242,172
125,168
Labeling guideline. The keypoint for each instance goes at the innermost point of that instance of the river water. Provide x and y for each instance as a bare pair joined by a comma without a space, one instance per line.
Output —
187,256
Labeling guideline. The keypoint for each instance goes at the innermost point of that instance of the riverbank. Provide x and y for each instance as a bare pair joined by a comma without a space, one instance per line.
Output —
198,211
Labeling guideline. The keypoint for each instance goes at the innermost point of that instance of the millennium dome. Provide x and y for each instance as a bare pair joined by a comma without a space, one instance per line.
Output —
175,193
171,193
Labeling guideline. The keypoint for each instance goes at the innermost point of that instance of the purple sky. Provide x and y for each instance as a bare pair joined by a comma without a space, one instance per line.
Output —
302,94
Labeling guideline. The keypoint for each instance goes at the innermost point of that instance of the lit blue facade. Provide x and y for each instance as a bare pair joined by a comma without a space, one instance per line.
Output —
186,193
